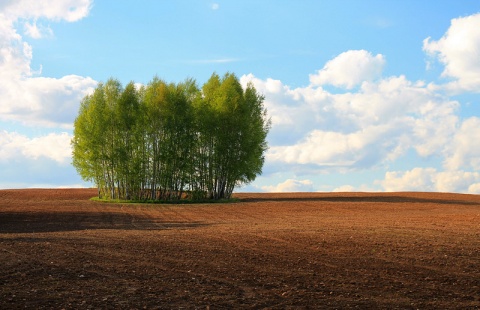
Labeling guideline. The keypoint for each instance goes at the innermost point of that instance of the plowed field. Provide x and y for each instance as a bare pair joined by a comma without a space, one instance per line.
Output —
60,250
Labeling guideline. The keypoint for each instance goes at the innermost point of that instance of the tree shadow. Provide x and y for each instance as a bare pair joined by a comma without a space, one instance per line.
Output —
360,199
21,222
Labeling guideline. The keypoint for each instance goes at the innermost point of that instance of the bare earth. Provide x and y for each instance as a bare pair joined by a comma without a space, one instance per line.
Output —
60,250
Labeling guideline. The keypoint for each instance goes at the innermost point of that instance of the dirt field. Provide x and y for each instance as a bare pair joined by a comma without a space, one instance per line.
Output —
60,250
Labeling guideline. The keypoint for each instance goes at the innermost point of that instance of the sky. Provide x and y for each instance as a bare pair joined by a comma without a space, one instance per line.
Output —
363,95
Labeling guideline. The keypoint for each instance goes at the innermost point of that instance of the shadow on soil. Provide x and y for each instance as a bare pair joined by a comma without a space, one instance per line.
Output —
358,199
12,222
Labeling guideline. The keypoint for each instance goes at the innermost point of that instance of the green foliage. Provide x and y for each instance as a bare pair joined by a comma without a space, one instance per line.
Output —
170,142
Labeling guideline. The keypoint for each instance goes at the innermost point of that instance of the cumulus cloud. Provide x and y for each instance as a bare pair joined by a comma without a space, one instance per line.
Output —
373,125
26,172
282,103
14,146
42,161
327,148
350,69
381,120
291,185
459,51
344,188
464,151
351,188
69,10
28,98
418,179
429,179
374,120
44,101
474,188
37,31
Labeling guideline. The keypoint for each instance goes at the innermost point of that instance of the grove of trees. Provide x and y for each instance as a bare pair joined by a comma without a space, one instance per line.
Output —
167,141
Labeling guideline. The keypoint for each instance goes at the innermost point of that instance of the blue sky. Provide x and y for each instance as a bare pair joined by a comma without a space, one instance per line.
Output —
363,95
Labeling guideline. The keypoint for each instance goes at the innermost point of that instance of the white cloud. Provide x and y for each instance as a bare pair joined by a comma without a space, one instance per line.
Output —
26,98
11,185
37,31
344,188
24,172
53,146
373,125
459,51
464,151
417,179
215,6
350,69
350,188
69,10
315,130
44,101
429,179
456,181
42,161
328,148
474,188
291,185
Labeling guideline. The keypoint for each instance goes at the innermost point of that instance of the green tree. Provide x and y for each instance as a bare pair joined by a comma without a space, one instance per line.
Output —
155,96
233,130
163,140
127,147
89,142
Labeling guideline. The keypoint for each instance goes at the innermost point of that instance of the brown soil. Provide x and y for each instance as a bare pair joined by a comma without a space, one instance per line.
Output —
60,250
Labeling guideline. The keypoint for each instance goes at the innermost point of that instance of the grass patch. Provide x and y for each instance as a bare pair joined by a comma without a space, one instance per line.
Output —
175,202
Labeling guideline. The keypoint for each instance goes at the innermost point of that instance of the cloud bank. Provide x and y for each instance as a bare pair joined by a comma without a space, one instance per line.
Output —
56,147
291,185
27,97
32,100
371,120
459,51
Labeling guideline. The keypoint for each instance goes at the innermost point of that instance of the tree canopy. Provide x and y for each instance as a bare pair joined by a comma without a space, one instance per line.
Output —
167,141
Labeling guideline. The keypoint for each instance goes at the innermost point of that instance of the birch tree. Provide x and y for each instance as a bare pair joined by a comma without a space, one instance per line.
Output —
166,141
